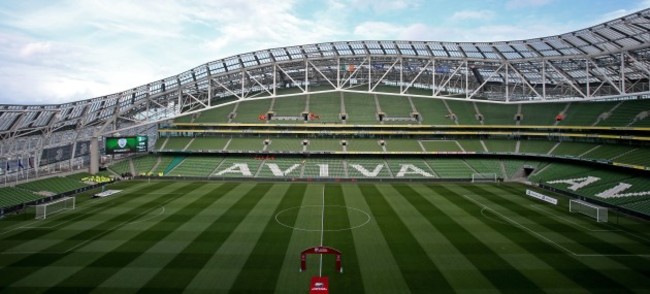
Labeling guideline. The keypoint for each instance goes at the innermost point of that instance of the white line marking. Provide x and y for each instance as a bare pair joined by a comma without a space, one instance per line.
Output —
546,239
322,232
162,211
109,230
28,225
277,219
535,206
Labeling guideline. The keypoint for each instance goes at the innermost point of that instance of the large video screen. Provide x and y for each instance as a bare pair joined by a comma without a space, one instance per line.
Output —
119,145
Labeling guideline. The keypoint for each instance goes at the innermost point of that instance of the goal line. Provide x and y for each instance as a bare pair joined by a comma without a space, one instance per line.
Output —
484,178
43,210
591,210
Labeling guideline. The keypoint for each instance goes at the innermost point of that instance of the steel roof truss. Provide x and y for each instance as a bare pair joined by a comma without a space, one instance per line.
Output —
638,65
601,72
565,77
227,89
423,69
356,70
290,78
486,80
321,73
258,82
445,82
524,79
385,74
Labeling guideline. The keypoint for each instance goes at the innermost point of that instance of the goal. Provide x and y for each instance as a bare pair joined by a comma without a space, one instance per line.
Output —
484,177
588,209
47,209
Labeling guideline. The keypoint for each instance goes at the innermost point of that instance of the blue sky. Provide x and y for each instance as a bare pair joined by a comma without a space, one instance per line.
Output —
60,51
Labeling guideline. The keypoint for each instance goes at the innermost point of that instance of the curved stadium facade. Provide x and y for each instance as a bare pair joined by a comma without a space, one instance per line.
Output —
576,99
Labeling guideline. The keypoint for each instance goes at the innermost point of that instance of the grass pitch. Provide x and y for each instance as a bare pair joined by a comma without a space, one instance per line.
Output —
169,236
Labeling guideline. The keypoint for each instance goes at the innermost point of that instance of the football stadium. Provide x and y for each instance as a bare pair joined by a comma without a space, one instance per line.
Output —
345,167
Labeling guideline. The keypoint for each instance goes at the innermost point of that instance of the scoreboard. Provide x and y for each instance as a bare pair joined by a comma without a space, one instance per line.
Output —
119,145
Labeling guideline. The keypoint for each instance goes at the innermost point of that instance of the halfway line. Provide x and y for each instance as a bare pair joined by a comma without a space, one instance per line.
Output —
322,231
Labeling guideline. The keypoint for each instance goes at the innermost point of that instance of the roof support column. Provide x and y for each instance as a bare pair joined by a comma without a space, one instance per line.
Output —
243,81
338,73
401,74
622,84
543,79
306,76
209,91
369,74
180,94
433,79
507,85
588,82
275,79
466,79
94,156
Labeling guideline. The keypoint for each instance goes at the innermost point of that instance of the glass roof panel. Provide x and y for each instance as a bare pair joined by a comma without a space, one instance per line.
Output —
570,51
511,55
435,46
279,54
327,49
343,48
627,42
263,57
421,48
593,39
454,50
611,34
540,46
389,47
7,119
627,29
215,67
372,44
405,48
295,52
311,48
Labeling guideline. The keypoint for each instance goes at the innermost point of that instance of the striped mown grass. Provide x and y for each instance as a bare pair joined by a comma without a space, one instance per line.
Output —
218,237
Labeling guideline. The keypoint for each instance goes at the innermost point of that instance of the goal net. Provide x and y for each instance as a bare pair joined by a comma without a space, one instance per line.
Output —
594,211
484,177
42,211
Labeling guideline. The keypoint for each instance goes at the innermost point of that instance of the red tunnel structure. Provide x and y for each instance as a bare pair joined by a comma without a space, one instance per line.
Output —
320,250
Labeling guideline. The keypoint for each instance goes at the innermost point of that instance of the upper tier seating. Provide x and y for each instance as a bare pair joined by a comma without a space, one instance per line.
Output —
362,108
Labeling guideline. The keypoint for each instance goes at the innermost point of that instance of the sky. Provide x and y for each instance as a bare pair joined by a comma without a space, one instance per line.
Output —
57,51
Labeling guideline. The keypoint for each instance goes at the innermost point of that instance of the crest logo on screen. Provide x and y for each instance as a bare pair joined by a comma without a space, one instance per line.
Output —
121,142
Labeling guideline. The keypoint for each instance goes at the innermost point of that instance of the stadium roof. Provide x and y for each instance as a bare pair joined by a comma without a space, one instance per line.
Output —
610,60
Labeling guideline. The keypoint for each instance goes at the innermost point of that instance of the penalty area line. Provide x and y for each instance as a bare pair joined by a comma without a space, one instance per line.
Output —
535,206
94,238
546,239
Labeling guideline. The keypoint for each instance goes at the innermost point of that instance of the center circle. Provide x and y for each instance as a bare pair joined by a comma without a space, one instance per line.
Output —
357,217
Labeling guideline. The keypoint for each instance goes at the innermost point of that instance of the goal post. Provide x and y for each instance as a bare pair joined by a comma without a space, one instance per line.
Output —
43,210
594,211
484,178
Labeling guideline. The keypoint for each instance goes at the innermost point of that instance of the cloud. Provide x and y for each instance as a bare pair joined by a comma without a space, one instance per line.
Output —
80,50
378,30
52,52
519,4
623,11
382,6
35,48
472,15
485,33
